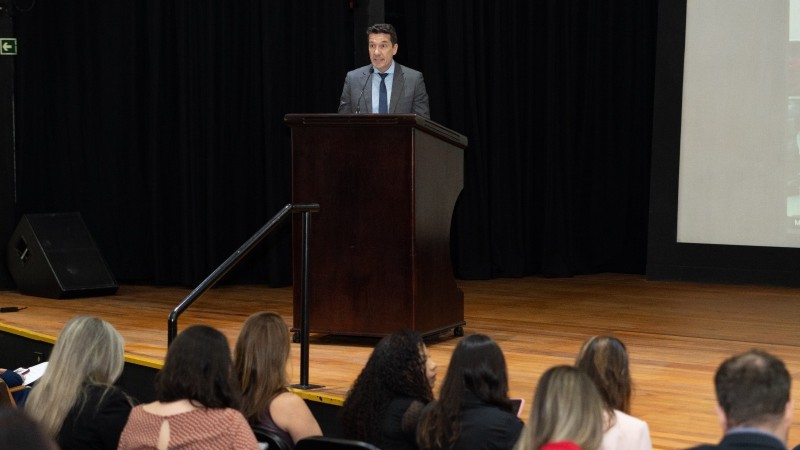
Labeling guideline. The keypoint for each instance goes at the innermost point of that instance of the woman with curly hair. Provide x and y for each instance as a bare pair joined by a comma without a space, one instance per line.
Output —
260,358
384,403
605,360
473,410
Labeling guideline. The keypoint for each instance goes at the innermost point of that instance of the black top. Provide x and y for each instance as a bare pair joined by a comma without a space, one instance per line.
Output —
746,440
99,423
485,426
399,430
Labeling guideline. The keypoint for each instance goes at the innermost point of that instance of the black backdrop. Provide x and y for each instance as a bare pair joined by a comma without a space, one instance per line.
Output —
161,122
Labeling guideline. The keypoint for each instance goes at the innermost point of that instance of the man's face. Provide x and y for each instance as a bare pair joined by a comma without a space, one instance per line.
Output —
381,51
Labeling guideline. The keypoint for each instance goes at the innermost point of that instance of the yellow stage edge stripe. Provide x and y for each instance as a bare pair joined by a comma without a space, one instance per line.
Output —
319,397
28,333
144,361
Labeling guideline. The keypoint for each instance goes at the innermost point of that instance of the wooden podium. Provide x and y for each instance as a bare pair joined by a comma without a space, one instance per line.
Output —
379,258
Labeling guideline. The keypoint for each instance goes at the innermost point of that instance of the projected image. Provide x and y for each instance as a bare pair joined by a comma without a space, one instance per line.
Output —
793,165
793,121
739,173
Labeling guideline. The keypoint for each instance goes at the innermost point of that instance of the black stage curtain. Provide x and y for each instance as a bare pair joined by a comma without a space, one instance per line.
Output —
556,99
161,122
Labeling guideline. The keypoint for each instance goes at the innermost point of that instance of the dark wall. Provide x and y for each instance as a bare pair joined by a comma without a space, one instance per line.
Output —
7,169
161,123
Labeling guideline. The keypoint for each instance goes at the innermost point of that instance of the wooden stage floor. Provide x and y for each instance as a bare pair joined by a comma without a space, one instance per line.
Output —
676,333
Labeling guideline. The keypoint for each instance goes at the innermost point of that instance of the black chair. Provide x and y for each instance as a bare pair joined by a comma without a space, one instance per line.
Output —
273,441
330,443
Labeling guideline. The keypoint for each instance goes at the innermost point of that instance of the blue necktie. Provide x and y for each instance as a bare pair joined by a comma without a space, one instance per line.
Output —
383,103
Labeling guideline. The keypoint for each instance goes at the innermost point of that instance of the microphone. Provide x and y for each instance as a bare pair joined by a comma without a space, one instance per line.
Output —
358,103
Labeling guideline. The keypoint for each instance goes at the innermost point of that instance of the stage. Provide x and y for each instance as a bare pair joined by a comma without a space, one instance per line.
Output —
676,333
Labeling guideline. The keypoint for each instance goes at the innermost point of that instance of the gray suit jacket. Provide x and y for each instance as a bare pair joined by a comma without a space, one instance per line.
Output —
408,92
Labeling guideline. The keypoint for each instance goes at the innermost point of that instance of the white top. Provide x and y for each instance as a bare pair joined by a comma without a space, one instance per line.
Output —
627,433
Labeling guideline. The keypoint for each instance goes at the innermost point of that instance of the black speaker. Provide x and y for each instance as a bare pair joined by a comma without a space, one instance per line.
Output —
54,256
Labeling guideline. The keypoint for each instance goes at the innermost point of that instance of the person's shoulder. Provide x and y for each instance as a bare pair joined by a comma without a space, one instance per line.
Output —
407,71
230,415
287,399
11,378
628,420
107,394
497,414
358,71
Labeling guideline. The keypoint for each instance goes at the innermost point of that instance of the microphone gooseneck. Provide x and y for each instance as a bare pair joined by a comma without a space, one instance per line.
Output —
358,103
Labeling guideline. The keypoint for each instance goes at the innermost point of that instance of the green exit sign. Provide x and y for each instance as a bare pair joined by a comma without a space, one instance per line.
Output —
8,46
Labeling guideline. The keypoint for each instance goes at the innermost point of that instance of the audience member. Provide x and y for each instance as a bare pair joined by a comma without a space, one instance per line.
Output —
75,401
15,380
197,399
261,355
20,432
473,410
384,403
567,413
753,403
605,360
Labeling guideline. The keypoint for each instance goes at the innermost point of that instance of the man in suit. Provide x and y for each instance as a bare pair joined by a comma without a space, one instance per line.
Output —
394,88
753,403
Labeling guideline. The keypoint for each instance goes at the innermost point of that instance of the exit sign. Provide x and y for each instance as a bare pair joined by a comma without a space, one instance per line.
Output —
8,46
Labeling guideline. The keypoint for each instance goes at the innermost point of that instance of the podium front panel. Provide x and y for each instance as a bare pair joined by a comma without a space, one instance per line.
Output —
379,257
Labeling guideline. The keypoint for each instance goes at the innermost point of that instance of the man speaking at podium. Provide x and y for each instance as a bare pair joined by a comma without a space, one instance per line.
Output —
384,87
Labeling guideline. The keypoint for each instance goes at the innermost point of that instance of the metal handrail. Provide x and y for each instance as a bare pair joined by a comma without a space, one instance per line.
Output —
225,267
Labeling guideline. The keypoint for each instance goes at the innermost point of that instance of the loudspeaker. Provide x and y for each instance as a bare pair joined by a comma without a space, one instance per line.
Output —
54,256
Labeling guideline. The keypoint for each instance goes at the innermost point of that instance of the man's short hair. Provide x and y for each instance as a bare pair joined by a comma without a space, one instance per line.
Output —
383,28
752,389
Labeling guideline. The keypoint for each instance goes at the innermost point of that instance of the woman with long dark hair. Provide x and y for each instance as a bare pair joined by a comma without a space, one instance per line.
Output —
384,403
605,360
197,399
260,358
473,410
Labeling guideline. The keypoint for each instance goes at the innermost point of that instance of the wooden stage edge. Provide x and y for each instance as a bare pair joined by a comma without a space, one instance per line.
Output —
677,334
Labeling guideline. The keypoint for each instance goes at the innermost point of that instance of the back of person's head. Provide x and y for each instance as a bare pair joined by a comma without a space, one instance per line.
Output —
88,350
261,354
753,389
396,368
605,360
566,407
477,366
383,28
20,432
198,367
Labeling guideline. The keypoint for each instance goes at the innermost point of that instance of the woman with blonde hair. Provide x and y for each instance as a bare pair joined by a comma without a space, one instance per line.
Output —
605,360
567,413
261,356
75,401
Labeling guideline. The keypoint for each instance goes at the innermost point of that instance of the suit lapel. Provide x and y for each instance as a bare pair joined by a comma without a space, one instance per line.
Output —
397,87
367,89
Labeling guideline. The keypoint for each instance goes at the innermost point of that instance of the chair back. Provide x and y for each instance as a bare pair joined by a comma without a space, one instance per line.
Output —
330,443
272,440
6,399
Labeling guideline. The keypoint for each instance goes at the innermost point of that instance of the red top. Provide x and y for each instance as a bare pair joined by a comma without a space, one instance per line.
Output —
563,445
